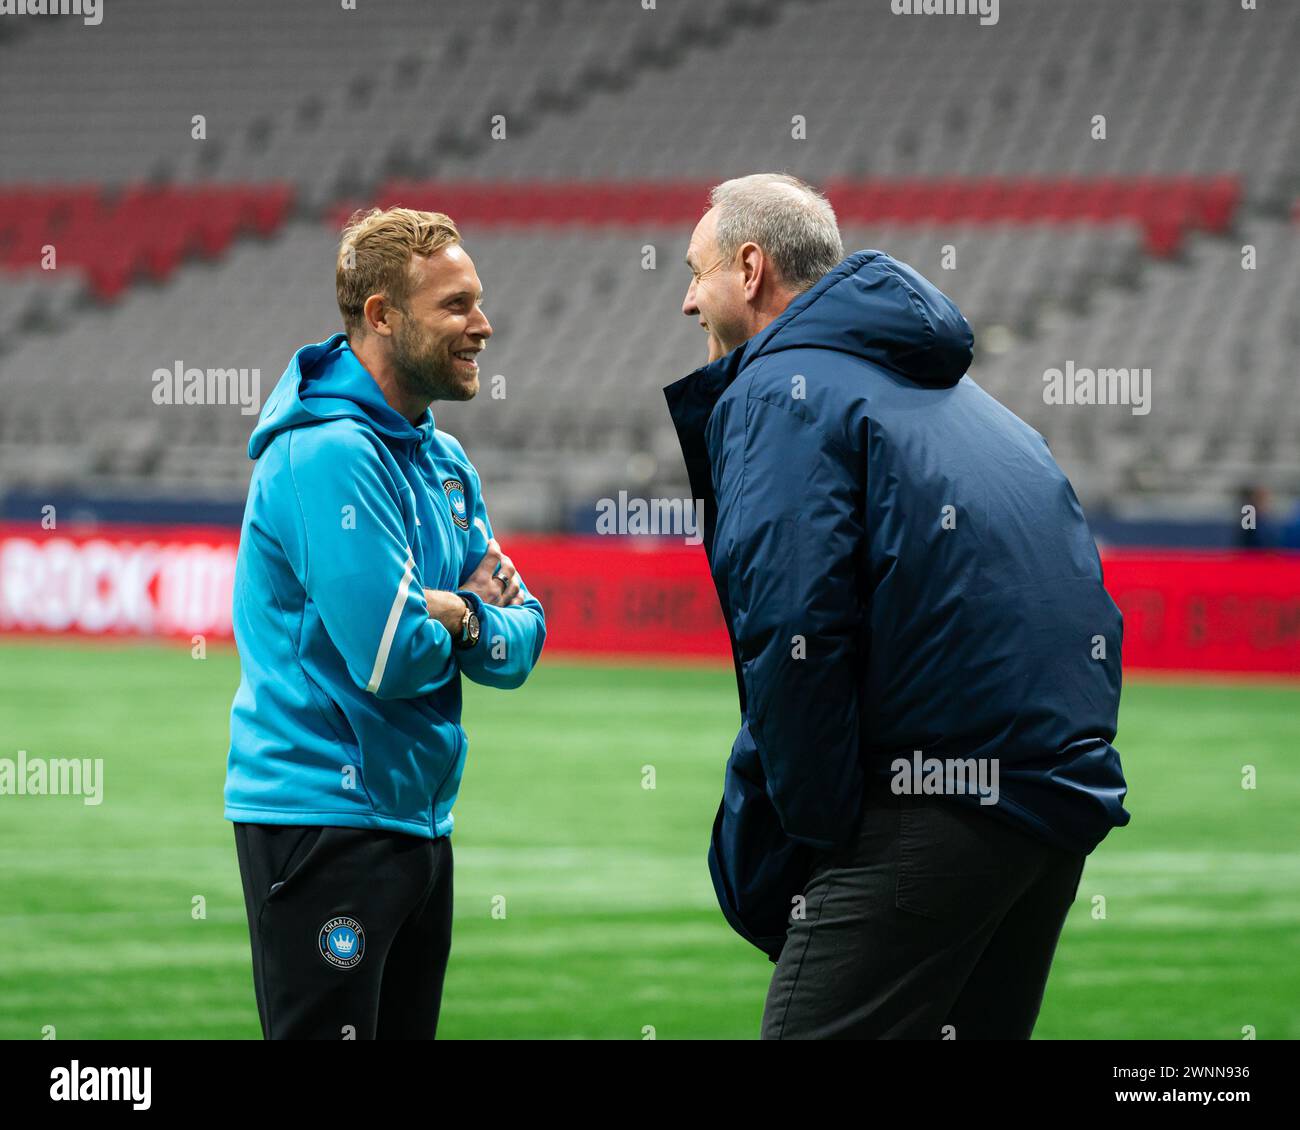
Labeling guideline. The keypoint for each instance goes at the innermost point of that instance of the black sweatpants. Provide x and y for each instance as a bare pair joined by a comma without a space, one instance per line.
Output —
350,929
940,921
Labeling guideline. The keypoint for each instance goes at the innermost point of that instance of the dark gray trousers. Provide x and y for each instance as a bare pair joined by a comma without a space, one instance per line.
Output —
939,921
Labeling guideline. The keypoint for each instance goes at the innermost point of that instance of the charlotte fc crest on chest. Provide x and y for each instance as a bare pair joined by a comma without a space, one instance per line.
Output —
455,492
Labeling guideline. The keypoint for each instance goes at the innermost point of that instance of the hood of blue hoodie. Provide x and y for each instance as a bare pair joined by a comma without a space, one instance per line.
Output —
874,307
325,381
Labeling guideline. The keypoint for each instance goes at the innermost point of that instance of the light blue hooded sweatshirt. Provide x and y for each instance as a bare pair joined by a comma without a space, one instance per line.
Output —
349,702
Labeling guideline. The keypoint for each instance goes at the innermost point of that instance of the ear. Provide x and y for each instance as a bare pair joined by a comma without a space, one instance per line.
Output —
378,313
754,265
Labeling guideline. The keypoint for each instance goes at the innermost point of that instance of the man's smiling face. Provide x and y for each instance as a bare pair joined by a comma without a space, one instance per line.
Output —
441,329
716,295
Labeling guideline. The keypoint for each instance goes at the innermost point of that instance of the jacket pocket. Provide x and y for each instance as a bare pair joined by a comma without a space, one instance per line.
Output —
756,869
455,768
331,712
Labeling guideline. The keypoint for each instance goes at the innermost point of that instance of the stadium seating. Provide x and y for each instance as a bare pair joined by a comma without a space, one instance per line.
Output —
218,252
600,91
139,232
585,339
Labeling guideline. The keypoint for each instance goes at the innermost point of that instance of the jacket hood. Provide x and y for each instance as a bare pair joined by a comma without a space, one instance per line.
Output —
870,306
325,381
874,307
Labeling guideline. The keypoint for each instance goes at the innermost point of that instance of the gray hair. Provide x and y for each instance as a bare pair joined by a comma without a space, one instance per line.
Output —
791,221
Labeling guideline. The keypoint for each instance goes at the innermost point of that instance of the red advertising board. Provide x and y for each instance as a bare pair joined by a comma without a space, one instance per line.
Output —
627,596
1208,611
117,580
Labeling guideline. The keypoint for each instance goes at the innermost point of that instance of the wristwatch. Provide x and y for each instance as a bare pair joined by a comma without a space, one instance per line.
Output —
469,627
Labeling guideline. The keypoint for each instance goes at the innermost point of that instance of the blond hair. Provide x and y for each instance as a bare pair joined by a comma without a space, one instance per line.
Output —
375,253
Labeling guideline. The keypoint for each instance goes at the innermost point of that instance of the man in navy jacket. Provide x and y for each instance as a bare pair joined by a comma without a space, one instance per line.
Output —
928,662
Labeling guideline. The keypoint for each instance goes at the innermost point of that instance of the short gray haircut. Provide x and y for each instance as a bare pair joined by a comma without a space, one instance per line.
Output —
791,221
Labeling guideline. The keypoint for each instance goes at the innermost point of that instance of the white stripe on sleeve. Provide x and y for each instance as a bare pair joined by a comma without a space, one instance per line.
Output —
390,629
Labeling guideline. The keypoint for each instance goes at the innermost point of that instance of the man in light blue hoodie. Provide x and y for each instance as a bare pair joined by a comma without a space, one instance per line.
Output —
368,581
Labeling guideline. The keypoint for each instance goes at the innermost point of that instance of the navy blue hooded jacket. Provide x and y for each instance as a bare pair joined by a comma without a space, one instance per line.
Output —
902,567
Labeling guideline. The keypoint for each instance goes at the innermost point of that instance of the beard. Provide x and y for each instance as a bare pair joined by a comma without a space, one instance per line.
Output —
425,366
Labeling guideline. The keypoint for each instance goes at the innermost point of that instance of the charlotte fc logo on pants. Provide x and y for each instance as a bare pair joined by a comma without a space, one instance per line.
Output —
342,942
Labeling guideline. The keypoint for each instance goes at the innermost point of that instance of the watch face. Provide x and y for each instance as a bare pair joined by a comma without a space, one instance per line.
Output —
473,629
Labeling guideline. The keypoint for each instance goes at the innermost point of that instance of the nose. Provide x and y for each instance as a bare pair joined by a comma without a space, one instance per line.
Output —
479,325
688,303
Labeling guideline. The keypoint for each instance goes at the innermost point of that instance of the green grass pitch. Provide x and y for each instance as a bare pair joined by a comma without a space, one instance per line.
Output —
610,923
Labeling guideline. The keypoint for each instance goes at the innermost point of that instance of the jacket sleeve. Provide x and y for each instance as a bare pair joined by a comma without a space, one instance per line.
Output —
510,638
357,567
797,613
